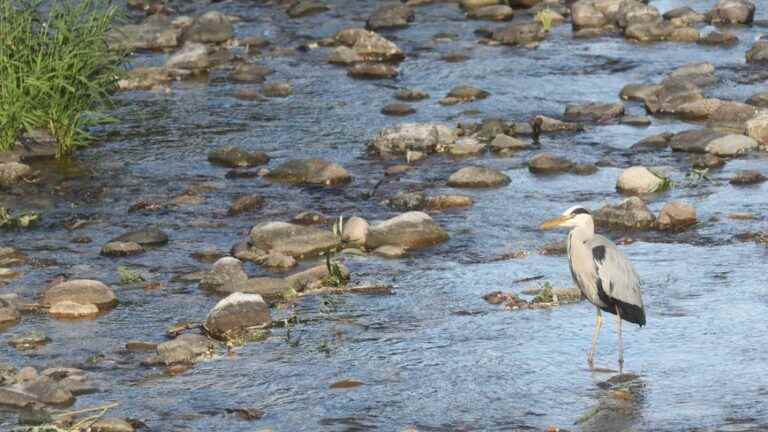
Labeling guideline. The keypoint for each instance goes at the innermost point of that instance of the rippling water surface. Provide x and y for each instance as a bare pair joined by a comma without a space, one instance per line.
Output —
435,355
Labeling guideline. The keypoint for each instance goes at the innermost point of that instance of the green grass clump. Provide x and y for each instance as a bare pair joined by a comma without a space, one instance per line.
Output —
57,71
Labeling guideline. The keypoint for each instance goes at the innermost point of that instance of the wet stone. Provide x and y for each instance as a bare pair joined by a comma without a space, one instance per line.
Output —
411,95
676,215
408,201
120,249
398,109
725,38
444,202
226,275
639,180
16,398
29,341
192,57
493,13
233,157
250,73
547,163
706,161
758,53
506,143
310,172
731,145
187,348
639,92
9,314
523,33
630,213
310,218
72,310
423,137
748,177
390,17
235,314
246,204
411,230
211,27
759,100
466,93
550,125
466,146
145,237
355,230
303,8
477,177
49,392
277,89
584,169
12,173
111,424
636,120
81,291
594,111
295,240
140,346
372,71
732,12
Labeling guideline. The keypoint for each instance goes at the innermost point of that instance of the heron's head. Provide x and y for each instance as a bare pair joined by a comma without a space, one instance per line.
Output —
575,216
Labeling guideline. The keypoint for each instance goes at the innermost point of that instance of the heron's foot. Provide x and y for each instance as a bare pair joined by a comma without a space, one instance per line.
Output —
591,361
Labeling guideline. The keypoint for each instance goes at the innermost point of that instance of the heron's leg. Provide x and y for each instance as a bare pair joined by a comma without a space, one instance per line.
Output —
598,324
621,342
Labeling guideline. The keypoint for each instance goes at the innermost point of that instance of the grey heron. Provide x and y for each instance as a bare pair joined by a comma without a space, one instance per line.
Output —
603,274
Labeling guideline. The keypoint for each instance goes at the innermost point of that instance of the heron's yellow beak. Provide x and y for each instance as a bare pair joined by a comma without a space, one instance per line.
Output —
553,223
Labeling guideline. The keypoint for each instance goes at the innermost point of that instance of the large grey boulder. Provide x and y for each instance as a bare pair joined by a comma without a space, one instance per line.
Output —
411,230
236,314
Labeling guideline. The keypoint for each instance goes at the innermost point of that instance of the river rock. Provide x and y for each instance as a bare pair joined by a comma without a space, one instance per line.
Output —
343,55
650,31
632,13
235,314
466,146
303,8
694,141
154,33
470,5
653,142
81,291
731,145
685,34
111,424
506,143
295,240
71,310
673,94
523,33
639,92
467,93
9,314
757,129
398,109
29,340
423,137
278,89
725,38
144,237
121,249
638,180
443,202
49,392
411,230
584,15
759,52
246,204
250,73
210,27
639,121
310,172
13,172
226,275
146,78
369,46
355,230
630,213
390,16
748,177
408,201
700,109
550,125
594,111
732,115
185,349
676,215
477,177
372,71
234,157
310,218
313,278
759,100
71,379
684,16
192,56
547,163
732,12
493,13
411,95
389,251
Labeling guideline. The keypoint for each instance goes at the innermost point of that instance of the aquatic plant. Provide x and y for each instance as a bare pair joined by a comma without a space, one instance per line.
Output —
545,17
128,276
58,73
336,278
23,220
666,182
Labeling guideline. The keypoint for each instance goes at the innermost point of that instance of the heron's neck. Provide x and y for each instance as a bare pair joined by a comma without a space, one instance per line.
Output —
584,232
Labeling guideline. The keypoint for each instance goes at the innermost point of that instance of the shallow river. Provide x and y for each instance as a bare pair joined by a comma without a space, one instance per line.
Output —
434,355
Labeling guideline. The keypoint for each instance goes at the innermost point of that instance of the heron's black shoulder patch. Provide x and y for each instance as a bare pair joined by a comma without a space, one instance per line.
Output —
598,253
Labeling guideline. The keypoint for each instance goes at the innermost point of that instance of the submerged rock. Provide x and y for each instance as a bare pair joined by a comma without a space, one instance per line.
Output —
390,17
234,157
389,251
411,230
759,52
144,237
732,12
443,202
71,310
246,204
29,340
676,215
639,180
493,13
466,146
477,177
295,240
748,177
398,109
81,291
547,163
303,8
411,95
520,34
12,173
630,213
111,424
310,172
278,89
757,129
423,137
594,111
185,349
372,71
192,56
120,249
210,27
234,315
250,73
550,125
369,46
154,33
408,201
9,314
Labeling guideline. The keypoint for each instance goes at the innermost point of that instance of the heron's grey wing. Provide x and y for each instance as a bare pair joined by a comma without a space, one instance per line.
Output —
617,282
